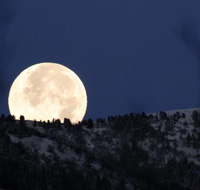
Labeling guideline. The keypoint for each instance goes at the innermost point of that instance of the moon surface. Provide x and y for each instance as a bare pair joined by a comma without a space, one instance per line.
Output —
47,91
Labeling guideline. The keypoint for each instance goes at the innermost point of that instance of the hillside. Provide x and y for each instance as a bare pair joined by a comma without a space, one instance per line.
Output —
130,152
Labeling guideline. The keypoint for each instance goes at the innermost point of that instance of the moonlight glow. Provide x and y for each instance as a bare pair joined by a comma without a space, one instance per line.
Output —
48,90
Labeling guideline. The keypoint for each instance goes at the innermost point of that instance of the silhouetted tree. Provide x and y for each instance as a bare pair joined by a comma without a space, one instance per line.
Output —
34,123
163,115
90,123
100,121
22,121
2,117
67,123
10,118
183,115
57,123
196,118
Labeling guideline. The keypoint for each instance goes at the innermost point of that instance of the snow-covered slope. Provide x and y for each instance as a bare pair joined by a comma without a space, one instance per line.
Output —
180,136
118,147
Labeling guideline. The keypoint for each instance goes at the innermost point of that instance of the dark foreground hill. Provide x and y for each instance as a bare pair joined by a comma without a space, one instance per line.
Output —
132,152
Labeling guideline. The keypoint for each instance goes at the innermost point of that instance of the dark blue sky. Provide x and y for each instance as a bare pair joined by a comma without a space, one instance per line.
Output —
132,56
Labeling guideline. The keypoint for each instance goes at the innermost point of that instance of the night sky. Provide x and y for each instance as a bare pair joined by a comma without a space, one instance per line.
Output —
132,55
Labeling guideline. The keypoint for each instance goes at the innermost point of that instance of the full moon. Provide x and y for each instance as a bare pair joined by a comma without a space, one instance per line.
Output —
47,91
